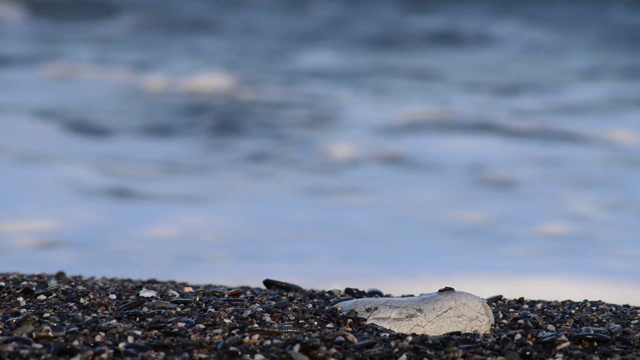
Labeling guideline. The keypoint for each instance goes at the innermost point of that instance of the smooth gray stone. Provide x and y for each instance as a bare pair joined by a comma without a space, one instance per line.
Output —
431,314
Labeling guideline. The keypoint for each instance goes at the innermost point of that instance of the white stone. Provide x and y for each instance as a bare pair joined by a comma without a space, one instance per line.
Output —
148,293
431,314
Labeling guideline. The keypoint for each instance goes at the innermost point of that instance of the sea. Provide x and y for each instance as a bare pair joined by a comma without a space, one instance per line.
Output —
490,146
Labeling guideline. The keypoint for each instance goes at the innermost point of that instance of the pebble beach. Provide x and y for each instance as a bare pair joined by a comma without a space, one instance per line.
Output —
492,147
59,316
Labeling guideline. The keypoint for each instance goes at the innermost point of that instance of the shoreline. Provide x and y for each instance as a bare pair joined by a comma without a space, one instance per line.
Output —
543,287
55,315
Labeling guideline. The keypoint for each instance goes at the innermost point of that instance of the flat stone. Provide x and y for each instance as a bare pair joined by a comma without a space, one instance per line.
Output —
429,314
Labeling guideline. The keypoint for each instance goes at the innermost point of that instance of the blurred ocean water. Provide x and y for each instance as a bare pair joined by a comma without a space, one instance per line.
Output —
492,147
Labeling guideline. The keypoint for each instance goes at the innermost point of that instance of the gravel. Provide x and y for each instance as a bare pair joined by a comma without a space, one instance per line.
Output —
59,316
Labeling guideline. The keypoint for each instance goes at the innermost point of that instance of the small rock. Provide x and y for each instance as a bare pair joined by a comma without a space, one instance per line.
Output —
131,305
429,314
592,334
281,285
148,293
234,293
356,293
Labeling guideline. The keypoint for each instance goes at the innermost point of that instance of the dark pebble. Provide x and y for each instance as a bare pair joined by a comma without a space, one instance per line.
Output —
60,275
17,339
594,337
80,320
281,285
547,339
217,292
234,293
132,304
181,301
363,344
64,350
185,321
46,292
374,293
27,290
72,331
138,347
615,330
163,305
355,293
493,299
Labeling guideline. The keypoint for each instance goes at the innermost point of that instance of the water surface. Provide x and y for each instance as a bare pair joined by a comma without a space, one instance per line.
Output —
492,147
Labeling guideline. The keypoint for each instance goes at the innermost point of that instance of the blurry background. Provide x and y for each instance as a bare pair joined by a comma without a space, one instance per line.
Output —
490,146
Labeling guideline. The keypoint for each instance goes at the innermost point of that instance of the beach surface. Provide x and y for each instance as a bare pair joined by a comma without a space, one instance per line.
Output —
60,316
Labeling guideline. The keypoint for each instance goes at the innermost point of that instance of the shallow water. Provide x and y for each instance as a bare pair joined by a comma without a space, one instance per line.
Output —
401,146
